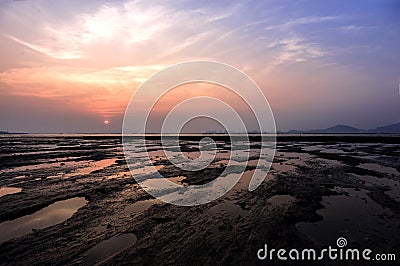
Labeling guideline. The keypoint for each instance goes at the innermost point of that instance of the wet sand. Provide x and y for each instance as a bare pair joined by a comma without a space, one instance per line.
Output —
319,188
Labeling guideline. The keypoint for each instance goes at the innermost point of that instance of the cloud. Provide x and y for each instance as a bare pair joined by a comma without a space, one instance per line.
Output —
118,46
138,33
294,46
351,28
294,50
128,23
302,21
53,50
92,55
125,26
102,92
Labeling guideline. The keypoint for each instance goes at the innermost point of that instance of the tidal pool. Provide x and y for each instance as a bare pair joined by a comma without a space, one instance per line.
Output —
379,168
9,190
353,215
281,200
141,206
53,214
108,248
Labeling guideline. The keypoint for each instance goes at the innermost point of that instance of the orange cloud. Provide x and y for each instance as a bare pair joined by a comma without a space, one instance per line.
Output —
104,92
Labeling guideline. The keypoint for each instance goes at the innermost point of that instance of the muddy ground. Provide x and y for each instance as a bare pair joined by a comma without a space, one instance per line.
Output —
317,191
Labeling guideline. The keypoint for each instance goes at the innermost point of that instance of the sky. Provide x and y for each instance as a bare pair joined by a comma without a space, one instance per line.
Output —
68,66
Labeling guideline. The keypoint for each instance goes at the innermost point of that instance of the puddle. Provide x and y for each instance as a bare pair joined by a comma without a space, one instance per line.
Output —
95,166
92,167
394,193
295,158
180,180
254,163
363,156
48,216
146,169
119,175
108,248
153,183
100,229
281,200
228,208
223,155
379,168
355,216
282,167
157,152
292,160
33,167
9,190
311,148
332,151
140,206
394,186
168,192
328,162
44,164
243,183
193,155
225,162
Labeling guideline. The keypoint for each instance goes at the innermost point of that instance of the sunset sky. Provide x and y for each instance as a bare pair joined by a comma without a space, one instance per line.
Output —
69,66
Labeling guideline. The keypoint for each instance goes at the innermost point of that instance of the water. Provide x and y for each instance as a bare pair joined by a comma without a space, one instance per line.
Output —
53,214
394,186
90,168
140,206
228,208
281,200
109,248
9,190
353,215
379,168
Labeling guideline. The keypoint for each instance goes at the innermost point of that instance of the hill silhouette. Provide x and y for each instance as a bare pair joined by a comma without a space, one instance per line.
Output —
345,129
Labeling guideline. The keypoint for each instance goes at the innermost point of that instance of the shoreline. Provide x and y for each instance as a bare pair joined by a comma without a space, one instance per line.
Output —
355,138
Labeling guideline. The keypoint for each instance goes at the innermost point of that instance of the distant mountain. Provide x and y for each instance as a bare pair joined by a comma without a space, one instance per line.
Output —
339,129
393,129
7,132
344,129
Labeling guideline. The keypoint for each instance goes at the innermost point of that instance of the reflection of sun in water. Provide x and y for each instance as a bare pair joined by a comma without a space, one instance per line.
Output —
106,122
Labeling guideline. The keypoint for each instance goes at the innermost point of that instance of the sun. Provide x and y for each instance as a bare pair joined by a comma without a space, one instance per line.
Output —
106,122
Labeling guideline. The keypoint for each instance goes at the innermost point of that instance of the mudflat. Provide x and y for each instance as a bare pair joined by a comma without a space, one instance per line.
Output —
92,211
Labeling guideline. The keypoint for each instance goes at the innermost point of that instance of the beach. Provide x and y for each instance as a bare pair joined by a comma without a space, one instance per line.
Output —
71,199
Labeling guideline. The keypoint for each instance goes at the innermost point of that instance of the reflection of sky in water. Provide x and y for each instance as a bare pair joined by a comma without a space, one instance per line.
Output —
394,186
51,215
379,168
281,200
194,156
340,214
9,190
108,248
140,206
89,168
